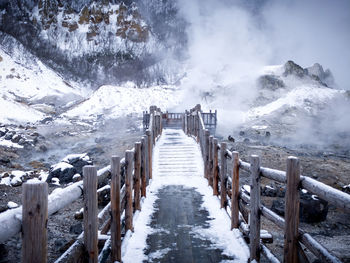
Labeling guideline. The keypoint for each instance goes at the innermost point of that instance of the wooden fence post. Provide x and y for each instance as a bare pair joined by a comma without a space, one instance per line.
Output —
149,155
143,165
292,211
235,191
223,176
137,175
34,222
115,210
206,153
215,167
254,234
129,158
90,212
210,179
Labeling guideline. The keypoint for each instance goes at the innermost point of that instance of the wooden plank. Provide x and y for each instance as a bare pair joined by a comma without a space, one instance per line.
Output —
90,213
235,191
292,211
129,159
149,155
34,222
254,234
223,176
115,209
143,165
215,167
137,175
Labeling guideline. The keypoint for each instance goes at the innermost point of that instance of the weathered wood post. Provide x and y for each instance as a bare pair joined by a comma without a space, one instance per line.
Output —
129,158
235,191
210,179
215,167
115,210
149,156
254,234
206,155
144,152
90,212
223,176
291,226
34,222
137,175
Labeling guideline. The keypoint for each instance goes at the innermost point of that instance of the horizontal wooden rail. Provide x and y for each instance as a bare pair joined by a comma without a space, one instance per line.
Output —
195,126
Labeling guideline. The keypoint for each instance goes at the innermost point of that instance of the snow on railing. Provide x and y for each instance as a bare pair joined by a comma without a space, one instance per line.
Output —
247,204
134,172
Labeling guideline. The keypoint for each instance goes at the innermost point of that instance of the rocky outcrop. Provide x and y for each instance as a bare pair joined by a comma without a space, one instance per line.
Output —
70,166
312,208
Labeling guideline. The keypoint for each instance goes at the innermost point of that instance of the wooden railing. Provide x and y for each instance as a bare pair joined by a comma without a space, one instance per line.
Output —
241,205
129,178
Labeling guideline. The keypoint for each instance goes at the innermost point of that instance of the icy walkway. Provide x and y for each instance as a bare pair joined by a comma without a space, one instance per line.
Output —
181,220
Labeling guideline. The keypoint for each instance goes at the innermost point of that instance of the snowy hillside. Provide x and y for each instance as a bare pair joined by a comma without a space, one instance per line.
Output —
119,101
28,89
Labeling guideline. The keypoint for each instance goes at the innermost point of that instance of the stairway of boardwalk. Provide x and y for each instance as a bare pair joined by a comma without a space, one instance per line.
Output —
178,155
178,209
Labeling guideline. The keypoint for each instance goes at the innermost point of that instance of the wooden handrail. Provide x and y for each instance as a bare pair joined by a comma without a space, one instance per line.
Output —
328,193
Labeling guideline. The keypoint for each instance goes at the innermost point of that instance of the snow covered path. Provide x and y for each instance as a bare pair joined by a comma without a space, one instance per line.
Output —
181,220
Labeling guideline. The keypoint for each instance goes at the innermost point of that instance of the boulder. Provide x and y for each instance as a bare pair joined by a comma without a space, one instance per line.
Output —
312,208
63,171
78,161
71,165
3,131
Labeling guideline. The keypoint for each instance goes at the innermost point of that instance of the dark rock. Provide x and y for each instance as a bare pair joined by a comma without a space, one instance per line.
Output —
312,209
290,68
9,135
4,160
324,77
231,139
76,229
270,82
70,165
268,190
16,138
278,207
60,243
246,140
22,141
267,134
3,208
3,131
241,133
46,120
43,148
3,253
78,161
63,171
346,189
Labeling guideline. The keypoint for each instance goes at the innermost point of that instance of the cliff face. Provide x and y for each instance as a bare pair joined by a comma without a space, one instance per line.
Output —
104,41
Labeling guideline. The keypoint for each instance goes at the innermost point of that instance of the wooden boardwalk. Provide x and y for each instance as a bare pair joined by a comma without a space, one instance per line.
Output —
180,226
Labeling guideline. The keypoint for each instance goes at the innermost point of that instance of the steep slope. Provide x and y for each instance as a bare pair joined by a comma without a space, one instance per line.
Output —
28,89
106,42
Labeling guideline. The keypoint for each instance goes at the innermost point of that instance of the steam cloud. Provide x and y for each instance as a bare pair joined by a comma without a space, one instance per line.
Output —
230,41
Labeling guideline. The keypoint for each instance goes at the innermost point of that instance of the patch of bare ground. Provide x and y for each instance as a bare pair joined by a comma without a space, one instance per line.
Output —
334,232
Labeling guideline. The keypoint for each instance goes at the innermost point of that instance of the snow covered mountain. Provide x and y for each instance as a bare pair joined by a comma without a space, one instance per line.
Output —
105,42
29,90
